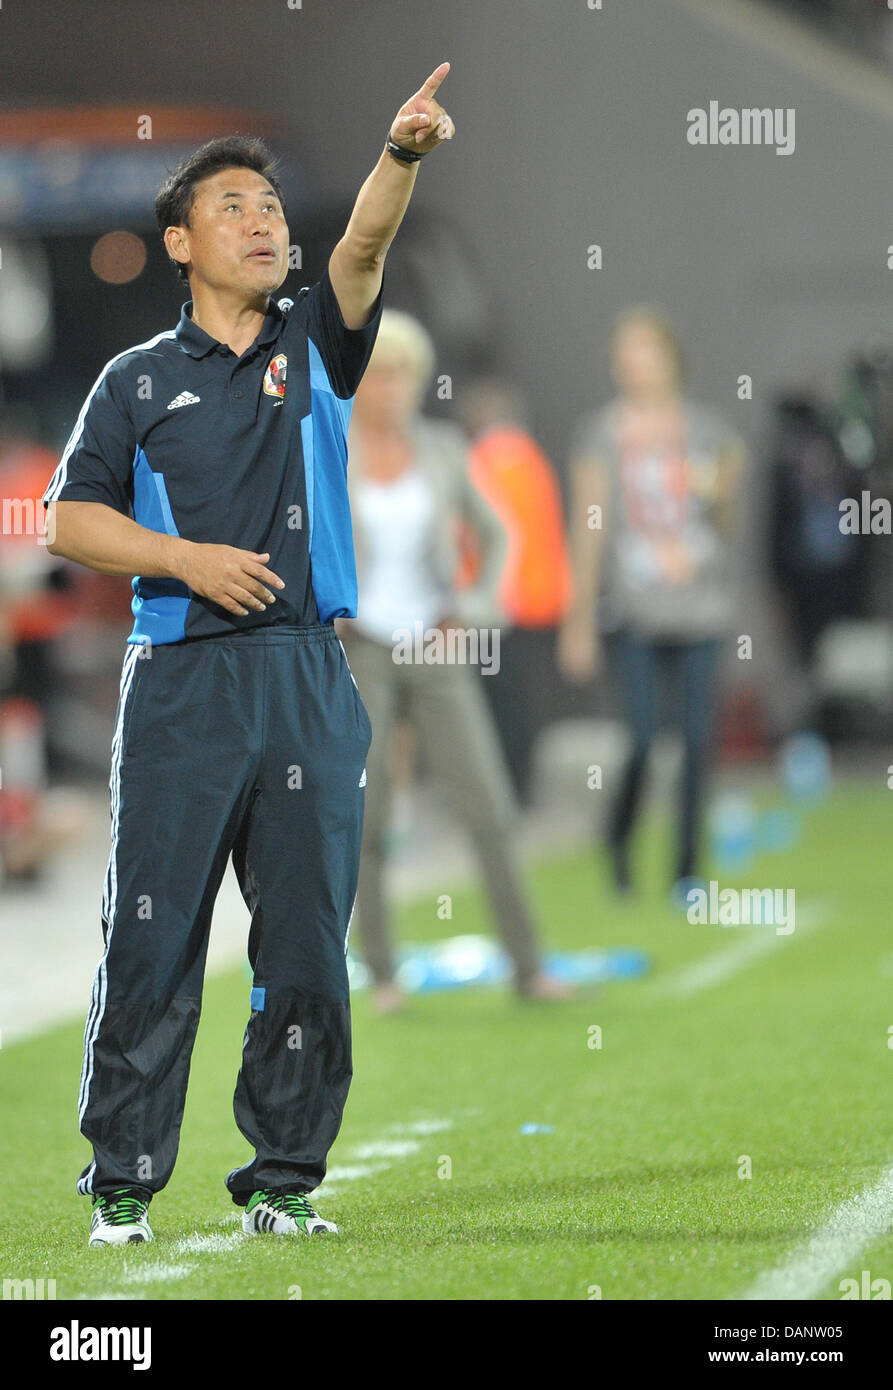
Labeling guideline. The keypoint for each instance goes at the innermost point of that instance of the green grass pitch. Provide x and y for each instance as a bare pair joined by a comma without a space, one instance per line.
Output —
636,1194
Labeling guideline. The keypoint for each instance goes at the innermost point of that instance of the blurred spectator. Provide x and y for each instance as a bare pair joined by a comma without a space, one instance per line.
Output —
819,570
517,479
409,490
655,497
35,610
863,415
34,585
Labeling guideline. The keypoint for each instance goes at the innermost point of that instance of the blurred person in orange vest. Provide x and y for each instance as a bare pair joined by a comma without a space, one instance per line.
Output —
35,610
516,477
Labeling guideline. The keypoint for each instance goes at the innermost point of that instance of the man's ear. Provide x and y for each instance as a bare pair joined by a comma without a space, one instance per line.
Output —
175,245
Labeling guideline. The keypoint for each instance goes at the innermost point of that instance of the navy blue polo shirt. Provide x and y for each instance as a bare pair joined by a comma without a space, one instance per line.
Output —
250,451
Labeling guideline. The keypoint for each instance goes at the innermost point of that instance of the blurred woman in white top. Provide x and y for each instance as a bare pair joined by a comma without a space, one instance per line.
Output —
409,493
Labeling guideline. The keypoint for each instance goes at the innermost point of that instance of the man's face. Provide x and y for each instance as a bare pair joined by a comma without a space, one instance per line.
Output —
237,238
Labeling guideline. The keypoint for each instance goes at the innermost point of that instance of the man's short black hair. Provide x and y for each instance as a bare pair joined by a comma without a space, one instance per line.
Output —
177,194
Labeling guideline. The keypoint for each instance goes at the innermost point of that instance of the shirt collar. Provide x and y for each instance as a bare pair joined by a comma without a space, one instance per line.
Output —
198,343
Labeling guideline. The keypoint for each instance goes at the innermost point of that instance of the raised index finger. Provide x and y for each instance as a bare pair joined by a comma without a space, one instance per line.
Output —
434,81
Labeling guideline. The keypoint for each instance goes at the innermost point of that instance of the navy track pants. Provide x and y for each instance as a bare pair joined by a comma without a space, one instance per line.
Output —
251,745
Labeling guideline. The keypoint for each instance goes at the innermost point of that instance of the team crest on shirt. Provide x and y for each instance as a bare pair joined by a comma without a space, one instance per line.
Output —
274,376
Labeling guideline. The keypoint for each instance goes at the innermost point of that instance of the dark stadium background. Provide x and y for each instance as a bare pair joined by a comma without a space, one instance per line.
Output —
763,272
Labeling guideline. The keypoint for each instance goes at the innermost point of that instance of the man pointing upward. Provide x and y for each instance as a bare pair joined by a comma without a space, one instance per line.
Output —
210,463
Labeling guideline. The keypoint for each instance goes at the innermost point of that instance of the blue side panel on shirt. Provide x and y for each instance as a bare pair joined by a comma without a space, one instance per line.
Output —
324,437
307,445
159,605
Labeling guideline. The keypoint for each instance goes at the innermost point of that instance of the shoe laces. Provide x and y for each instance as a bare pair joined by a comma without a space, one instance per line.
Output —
121,1208
294,1204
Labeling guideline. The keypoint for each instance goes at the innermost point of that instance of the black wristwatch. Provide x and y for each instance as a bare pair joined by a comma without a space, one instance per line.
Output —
404,156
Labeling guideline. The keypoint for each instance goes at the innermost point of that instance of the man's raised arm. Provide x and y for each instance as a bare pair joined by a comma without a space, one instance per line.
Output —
357,262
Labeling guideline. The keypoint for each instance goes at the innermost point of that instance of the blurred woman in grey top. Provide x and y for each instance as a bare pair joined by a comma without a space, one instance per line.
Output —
409,491
656,482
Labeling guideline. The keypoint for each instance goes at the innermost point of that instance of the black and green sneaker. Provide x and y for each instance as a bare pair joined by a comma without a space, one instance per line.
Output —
119,1218
283,1214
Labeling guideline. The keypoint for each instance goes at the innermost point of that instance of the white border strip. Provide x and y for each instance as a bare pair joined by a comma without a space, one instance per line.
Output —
715,969
847,1234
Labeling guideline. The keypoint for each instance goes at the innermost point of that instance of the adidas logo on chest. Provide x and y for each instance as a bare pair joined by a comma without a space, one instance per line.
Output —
184,398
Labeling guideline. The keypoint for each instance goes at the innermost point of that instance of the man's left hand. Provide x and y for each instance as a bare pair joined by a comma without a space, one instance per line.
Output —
422,124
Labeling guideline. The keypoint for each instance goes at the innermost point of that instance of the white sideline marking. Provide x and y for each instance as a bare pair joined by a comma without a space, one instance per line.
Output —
209,1245
148,1274
338,1173
722,965
346,1172
387,1148
690,979
353,1172
219,1244
852,1227
424,1126
378,1149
